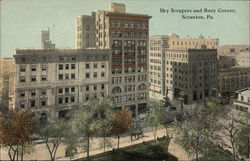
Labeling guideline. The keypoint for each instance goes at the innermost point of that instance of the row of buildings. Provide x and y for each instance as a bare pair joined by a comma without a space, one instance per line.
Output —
115,58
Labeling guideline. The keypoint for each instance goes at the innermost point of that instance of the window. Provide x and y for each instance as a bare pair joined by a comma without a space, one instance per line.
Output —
102,65
73,76
242,98
95,87
95,65
44,67
60,76
95,74
33,68
102,86
87,66
66,76
102,94
32,103
66,90
87,88
95,95
66,66
33,78
22,68
22,79
43,103
72,99
87,97
44,77
43,92
60,66
22,93
103,74
21,104
60,100
66,99
60,90
87,75
72,89
73,66
33,93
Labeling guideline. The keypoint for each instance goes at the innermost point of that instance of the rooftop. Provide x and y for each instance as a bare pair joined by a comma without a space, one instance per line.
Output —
60,51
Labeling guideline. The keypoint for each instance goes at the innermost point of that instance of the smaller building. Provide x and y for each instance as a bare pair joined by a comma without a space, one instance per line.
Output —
243,101
232,79
243,58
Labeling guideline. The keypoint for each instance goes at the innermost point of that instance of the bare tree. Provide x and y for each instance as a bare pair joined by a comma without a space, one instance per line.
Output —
231,130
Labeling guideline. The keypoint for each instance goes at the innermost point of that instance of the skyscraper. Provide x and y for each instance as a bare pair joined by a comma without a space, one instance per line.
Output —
126,36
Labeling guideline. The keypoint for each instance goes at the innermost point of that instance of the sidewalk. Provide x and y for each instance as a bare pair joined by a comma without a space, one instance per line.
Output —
41,151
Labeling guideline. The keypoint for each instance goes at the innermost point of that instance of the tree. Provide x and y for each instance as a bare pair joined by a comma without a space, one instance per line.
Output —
231,130
52,135
243,138
121,123
15,131
103,108
87,120
71,142
196,132
157,115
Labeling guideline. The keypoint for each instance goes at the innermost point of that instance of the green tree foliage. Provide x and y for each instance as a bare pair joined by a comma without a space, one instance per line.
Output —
243,138
52,135
89,120
15,131
157,115
196,132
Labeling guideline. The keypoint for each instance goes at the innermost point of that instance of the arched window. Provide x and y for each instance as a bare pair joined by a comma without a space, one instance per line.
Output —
116,90
43,118
142,87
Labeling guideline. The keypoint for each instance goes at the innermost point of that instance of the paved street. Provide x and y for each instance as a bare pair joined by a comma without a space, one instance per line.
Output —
41,151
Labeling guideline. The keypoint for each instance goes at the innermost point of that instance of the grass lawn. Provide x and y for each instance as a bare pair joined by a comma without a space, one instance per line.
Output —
142,152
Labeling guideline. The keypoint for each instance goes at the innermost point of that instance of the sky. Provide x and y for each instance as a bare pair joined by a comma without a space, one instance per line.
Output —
23,20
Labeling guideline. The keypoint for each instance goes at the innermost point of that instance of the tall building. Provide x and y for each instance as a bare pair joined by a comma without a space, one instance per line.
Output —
163,82
50,82
126,36
6,83
85,31
46,43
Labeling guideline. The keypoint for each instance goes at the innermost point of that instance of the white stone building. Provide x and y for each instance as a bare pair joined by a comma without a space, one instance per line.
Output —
52,81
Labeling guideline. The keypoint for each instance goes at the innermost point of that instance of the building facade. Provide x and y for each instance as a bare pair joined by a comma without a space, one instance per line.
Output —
51,82
243,58
46,43
125,35
232,79
85,31
191,74
164,45
6,84
243,100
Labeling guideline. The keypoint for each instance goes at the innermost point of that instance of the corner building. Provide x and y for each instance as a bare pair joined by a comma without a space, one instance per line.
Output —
126,37
171,58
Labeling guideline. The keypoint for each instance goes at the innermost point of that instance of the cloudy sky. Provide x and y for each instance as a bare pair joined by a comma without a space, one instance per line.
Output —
23,20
